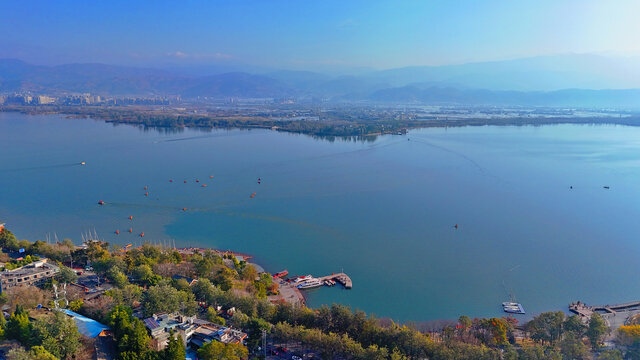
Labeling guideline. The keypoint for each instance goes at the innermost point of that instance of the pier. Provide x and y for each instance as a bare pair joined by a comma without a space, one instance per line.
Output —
614,315
342,278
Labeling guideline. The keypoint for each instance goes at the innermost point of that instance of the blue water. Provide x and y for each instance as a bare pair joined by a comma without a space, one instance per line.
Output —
383,211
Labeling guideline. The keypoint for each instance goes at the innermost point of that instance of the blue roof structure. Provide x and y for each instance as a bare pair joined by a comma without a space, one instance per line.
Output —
87,327
151,323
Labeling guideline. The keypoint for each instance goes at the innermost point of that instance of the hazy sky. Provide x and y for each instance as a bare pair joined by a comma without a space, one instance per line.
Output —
308,34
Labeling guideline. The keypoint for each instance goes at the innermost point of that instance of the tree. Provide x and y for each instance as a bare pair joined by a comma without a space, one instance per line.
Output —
546,327
596,330
129,333
115,275
58,334
572,347
8,240
212,315
67,275
574,324
175,349
224,279
254,330
165,298
249,273
19,326
219,351
610,354
205,291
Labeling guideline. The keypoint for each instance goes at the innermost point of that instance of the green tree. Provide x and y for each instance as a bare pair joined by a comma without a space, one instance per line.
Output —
596,330
175,349
546,327
165,298
218,351
205,291
212,315
224,279
19,326
8,240
67,275
254,330
572,347
58,334
574,324
129,333
117,277
610,354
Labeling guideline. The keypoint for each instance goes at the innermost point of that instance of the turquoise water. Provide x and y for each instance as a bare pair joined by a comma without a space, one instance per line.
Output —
384,210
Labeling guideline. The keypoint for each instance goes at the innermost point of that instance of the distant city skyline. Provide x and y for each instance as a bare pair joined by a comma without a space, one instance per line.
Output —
316,36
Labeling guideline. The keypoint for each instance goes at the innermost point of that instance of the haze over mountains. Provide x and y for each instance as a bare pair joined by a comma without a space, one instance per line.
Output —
566,80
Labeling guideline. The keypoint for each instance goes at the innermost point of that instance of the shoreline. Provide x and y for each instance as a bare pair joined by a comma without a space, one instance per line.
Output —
326,128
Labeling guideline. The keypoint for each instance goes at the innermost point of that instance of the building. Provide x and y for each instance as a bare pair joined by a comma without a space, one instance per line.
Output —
86,326
44,100
32,274
212,332
194,332
160,327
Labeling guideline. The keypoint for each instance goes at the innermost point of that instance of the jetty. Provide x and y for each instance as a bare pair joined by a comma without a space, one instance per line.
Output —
614,315
342,278
584,310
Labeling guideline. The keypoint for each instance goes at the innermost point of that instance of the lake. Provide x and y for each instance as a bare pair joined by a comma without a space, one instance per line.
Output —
384,210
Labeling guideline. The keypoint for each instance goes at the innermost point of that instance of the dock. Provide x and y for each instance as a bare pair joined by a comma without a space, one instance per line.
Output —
341,278
614,315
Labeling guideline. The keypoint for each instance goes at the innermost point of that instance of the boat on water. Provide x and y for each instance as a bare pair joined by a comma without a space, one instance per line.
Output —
311,283
329,282
83,163
282,273
513,309
100,202
302,278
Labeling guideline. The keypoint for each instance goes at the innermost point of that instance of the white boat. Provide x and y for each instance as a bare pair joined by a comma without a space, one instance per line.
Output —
311,283
302,278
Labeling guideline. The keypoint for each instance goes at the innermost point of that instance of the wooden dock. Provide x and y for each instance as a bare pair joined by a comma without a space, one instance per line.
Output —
342,278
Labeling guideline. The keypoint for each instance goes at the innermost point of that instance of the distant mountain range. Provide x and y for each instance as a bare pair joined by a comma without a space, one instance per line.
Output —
568,80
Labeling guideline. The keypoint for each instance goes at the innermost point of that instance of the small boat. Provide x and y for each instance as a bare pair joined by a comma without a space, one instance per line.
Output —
606,187
146,194
185,181
310,284
204,185
130,217
170,180
282,273
100,202
117,232
252,195
455,226
141,234
184,209
83,163
130,230
328,283
146,187
210,176
197,180
128,246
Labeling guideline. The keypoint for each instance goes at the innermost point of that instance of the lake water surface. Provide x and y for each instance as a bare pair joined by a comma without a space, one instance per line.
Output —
383,210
